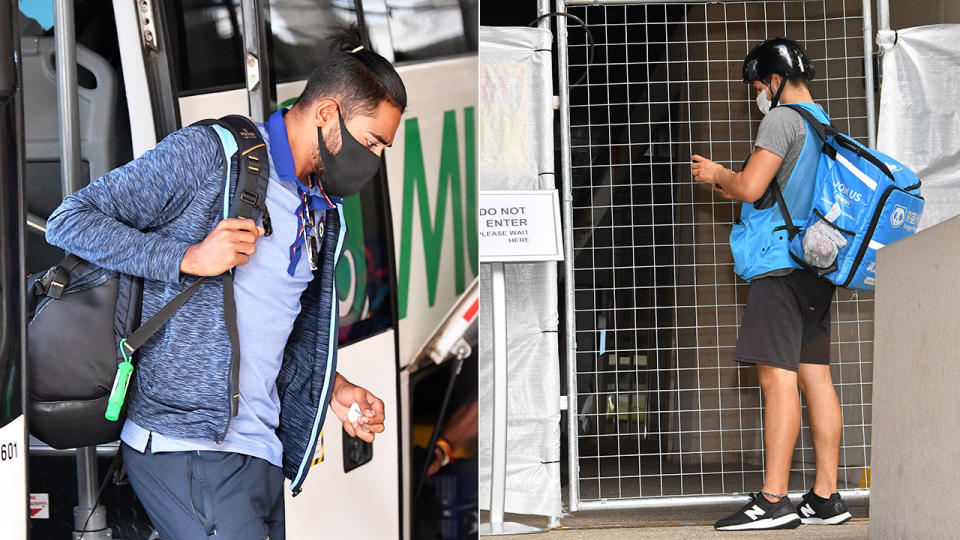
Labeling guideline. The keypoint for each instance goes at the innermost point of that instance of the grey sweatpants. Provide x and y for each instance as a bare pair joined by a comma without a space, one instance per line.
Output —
199,495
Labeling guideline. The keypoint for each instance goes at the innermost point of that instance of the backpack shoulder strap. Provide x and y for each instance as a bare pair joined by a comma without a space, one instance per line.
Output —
841,140
249,201
55,281
253,164
823,130
792,230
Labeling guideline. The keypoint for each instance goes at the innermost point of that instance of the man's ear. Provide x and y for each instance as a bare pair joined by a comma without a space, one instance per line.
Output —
325,112
775,79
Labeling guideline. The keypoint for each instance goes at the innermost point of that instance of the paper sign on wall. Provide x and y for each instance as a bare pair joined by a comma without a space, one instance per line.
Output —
520,226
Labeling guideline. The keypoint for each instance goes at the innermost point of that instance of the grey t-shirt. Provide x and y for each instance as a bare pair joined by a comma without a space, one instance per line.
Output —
782,132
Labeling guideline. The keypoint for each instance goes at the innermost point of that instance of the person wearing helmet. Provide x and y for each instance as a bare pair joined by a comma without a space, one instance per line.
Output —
785,330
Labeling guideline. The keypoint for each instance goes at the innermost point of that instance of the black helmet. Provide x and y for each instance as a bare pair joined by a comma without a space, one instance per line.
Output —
781,56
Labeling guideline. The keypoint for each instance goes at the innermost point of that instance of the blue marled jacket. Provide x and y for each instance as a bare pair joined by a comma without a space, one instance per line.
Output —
139,219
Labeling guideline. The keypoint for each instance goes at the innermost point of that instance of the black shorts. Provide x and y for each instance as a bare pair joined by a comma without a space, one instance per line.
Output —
786,321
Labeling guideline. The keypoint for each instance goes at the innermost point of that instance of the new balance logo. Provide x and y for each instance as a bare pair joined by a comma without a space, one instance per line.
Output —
754,512
806,510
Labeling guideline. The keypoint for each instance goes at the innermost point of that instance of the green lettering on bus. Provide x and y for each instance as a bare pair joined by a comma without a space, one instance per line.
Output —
432,230
471,173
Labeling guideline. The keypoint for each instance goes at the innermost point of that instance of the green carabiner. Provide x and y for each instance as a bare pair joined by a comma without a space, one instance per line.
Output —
120,383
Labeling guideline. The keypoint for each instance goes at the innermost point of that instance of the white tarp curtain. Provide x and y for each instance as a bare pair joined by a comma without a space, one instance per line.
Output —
516,152
919,122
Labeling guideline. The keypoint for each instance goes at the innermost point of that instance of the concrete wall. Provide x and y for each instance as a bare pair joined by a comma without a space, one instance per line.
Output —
916,405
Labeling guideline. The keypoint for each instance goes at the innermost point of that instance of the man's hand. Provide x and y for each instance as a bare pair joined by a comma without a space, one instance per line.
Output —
711,172
230,244
747,185
706,171
345,394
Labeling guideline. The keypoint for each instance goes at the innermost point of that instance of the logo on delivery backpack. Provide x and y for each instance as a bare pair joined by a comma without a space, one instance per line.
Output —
844,194
898,216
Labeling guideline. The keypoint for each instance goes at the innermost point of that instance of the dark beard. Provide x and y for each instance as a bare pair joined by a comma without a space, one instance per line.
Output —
319,171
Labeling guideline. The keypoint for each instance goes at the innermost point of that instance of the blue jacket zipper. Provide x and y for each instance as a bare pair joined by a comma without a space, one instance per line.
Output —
295,485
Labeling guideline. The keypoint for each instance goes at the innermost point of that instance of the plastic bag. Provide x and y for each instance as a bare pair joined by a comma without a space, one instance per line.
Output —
822,241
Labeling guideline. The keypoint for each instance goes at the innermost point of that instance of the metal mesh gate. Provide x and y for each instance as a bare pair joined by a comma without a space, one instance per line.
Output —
662,409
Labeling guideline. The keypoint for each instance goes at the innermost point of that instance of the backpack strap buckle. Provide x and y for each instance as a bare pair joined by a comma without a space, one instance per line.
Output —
792,230
249,197
54,282
265,218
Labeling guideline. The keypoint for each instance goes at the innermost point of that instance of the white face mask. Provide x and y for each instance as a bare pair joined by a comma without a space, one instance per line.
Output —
763,102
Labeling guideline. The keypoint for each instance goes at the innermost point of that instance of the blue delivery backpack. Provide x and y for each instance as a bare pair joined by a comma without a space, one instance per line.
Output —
871,199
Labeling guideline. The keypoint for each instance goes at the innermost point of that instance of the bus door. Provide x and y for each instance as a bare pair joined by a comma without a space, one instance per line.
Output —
13,460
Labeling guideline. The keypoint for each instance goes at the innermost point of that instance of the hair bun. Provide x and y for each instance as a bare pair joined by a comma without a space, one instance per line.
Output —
345,39
355,75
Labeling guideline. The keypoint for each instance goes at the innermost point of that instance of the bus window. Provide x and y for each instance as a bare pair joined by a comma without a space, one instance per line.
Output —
363,275
207,41
410,30
101,104
299,30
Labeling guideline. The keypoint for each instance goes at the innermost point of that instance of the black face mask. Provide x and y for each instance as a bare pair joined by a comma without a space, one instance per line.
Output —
351,169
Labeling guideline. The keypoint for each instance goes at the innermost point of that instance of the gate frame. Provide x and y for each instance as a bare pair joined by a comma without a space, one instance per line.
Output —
570,403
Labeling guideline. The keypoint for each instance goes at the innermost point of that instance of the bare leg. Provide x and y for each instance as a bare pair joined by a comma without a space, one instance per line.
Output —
781,424
826,423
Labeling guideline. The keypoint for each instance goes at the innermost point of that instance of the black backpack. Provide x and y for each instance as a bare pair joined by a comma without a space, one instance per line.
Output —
84,321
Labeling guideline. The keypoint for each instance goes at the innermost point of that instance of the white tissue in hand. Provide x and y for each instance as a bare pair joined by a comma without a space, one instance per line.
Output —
354,413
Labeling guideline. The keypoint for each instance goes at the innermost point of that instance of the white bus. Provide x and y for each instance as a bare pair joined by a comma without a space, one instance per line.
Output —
146,68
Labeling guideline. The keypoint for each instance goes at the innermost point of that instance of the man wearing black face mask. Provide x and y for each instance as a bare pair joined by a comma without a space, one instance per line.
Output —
207,442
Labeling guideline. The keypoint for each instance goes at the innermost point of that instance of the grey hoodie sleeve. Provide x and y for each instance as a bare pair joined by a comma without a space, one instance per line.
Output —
108,222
